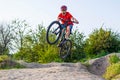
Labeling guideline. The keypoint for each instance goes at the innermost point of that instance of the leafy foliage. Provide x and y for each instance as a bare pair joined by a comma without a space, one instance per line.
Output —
113,59
77,45
112,71
36,49
114,68
3,57
102,40
7,63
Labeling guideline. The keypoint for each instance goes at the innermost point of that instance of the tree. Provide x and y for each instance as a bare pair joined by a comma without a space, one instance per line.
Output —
21,28
5,38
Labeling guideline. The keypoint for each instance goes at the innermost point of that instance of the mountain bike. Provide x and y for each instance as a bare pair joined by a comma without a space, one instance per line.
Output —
56,32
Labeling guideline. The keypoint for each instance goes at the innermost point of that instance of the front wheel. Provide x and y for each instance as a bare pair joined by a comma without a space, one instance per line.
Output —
53,32
65,50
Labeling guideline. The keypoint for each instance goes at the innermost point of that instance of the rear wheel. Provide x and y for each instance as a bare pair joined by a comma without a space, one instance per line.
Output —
65,50
53,32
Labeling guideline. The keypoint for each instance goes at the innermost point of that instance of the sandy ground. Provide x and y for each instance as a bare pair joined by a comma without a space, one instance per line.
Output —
51,71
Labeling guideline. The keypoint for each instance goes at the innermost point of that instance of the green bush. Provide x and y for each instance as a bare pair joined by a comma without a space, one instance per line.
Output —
102,40
3,57
77,46
7,63
36,49
112,71
113,59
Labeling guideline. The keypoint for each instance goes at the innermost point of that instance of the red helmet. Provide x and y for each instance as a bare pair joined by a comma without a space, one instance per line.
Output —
63,8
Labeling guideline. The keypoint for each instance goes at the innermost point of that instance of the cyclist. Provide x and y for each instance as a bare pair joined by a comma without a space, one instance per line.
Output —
66,16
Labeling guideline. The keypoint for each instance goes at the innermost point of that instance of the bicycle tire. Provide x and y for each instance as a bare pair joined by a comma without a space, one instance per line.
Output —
56,36
65,49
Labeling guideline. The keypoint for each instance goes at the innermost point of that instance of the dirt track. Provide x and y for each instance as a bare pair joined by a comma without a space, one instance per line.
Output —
52,71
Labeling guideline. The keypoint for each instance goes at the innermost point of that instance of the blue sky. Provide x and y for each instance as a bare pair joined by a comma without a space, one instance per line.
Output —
91,14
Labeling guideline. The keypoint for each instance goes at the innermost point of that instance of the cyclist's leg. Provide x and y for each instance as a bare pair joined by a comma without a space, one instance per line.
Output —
68,31
61,41
71,26
63,26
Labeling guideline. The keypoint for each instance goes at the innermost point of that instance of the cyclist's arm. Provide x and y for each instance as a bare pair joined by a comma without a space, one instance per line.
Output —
75,20
58,19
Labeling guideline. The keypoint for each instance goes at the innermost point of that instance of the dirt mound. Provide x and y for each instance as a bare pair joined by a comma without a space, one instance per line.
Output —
98,66
57,71
51,71
8,63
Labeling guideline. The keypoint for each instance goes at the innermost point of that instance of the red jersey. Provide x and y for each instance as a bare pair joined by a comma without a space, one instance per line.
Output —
66,17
